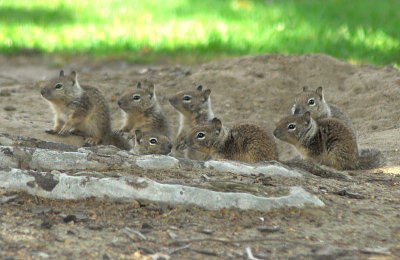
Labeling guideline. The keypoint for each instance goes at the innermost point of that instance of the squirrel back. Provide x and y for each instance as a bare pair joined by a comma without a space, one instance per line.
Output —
244,142
142,110
314,101
326,141
78,108
194,107
151,143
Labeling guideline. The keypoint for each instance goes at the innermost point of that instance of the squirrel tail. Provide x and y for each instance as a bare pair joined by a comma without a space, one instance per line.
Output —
371,158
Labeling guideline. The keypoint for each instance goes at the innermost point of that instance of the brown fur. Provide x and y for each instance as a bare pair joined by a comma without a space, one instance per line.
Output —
244,142
151,143
325,141
79,108
319,108
145,113
194,107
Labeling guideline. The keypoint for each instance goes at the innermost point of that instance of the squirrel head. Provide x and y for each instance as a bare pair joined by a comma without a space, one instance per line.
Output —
140,98
63,88
151,143
292,129
310,100
192,103
205,137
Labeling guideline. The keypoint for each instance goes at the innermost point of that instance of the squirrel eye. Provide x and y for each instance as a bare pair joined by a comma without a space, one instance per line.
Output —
187,98
153,141
291,126
311,102
136,97
58,86
201,135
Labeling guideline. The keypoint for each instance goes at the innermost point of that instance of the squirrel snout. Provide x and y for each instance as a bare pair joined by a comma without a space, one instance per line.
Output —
119,103
43,91
170,146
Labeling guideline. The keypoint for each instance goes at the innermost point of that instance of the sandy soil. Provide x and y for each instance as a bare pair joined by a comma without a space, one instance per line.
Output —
364,224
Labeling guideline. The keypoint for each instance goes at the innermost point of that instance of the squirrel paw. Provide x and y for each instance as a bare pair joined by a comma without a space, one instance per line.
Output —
118,132
91,141
51,132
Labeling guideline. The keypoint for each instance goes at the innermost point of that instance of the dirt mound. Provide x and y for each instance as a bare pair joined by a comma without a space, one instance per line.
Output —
360,218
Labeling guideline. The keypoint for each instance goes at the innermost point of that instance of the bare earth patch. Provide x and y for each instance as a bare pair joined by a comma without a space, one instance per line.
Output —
361,217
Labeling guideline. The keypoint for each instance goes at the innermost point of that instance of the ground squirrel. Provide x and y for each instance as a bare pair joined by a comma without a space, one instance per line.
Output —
314,101
244,142
151,143
142,110
80,108
194,107
327,141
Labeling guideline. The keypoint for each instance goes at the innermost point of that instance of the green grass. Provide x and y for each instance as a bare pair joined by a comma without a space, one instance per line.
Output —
362,31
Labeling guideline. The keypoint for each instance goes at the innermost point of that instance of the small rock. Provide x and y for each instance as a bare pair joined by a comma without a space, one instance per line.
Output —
9,108
5,93
41,209
46,224
329,252
143,71
69,218
376,250
147,226
146,250
349,194
42,254
270,229
172,235
6,199
207,231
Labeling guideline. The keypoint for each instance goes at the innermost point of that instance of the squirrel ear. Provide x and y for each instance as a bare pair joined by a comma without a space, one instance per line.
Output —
319,92
217,124
151,87
139,84
305,88
200,88
74,76
61,73
138,135
206,94
307,117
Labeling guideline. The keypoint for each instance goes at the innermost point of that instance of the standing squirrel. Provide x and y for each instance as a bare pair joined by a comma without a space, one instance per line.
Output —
244,142
142,110
194,107
326,141
314,101
80,108
151,143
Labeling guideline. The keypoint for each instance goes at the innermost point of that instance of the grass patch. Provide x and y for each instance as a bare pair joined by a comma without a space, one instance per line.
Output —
364,31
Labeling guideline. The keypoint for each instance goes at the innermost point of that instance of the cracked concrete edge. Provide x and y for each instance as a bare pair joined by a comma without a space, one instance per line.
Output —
107,157
57,185
266,168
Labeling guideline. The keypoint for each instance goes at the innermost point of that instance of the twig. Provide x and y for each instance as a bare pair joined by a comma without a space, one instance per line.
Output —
231,241
137,233
175,250
250,254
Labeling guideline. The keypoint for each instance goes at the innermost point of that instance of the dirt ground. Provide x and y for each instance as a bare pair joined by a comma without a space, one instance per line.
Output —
361,219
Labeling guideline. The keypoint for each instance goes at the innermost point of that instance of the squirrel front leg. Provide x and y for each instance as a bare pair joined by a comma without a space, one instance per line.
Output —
73,120
58,124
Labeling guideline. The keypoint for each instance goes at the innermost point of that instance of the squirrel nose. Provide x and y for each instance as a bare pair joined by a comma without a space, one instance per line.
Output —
170,146
275,132
43,91
297,111
119,102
